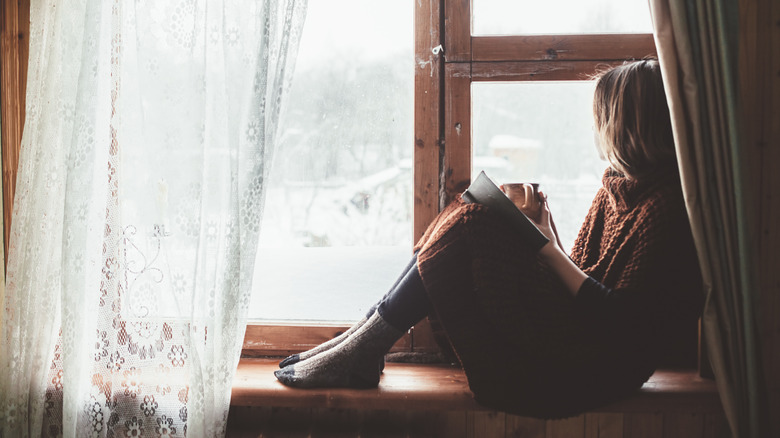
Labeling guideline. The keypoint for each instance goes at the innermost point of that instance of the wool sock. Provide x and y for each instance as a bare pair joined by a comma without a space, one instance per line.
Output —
353,363
327,345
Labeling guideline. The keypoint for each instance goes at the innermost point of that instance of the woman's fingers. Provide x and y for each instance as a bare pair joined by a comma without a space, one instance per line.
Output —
546,206
548,221
546,214
531,203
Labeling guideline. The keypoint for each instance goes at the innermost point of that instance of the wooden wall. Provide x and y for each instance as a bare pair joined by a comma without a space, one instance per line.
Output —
246,422
760,97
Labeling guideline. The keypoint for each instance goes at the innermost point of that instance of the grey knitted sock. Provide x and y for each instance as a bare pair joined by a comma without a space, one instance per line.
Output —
350,364
327,345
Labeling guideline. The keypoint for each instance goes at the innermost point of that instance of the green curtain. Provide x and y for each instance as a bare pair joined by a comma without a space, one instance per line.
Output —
697,48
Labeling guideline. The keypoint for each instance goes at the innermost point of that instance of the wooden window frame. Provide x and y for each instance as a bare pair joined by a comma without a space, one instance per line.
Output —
14,52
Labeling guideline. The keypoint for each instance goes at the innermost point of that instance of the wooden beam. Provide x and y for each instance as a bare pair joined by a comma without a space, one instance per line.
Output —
485,424
643,424
457,34
428,132
606,47
283,340
427,113
439,387
403,387
683,425
764,70
604,425
514,71
457,130
525,427
573,427
759,99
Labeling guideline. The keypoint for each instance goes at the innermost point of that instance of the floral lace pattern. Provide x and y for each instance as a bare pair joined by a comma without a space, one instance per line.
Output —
149,129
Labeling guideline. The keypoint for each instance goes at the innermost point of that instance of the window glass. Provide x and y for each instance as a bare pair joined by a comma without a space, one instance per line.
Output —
337,226
521,17
540,132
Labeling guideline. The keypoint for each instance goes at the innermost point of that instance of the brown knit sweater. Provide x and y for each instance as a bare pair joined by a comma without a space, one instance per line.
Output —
526,345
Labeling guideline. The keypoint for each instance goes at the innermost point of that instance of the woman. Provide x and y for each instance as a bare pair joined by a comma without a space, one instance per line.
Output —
543,334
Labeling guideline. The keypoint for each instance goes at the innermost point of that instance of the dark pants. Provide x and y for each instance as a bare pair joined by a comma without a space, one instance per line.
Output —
407,301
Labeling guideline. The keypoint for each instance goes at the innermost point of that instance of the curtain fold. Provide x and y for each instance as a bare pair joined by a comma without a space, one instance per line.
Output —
696,43
149,134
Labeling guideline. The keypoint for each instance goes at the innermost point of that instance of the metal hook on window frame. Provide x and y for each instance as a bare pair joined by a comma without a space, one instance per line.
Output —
438,49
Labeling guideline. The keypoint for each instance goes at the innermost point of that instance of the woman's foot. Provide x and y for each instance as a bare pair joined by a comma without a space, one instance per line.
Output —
352,363
325,346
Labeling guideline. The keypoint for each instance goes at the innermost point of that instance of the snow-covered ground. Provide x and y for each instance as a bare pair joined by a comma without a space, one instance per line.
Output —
324,284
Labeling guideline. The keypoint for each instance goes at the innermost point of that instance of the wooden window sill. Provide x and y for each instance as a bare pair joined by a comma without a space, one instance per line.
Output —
444,388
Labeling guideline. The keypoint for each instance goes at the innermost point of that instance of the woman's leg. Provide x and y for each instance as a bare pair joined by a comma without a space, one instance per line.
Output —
407,302
327,345
355,362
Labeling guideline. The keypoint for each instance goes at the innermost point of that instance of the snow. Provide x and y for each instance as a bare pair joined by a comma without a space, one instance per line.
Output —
324,284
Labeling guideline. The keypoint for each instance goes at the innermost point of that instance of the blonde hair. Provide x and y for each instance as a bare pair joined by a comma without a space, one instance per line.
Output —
632,119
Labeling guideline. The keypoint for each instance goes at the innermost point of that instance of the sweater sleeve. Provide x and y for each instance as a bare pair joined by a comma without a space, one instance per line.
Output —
592,293
606,303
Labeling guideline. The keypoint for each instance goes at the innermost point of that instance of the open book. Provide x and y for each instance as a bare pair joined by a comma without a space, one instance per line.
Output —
484,191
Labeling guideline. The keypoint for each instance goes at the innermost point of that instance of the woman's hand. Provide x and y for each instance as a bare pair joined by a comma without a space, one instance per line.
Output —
553,253
525,198
546,224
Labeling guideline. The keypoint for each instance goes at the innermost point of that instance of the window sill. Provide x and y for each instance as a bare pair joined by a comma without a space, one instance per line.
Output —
444,388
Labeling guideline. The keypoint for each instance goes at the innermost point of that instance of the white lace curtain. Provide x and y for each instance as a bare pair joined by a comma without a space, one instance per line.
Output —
149,131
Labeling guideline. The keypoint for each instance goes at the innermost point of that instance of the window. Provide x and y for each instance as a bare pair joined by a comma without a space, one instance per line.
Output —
337,224
459,77
512,17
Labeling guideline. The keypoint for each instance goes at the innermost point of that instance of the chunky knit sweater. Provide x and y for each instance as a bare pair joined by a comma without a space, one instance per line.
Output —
526,345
